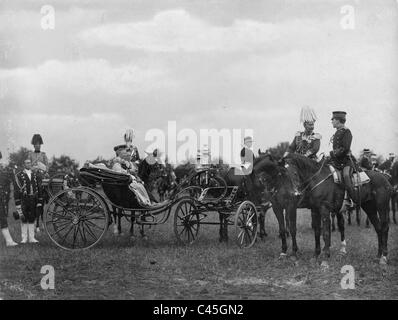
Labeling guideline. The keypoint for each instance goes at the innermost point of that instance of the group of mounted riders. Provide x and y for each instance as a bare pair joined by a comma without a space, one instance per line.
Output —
302,191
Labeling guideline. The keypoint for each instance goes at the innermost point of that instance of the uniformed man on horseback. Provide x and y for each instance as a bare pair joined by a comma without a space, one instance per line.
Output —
341,142
365,162
306,143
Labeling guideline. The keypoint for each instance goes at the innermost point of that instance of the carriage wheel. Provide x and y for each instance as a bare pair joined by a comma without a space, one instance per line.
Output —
246,224
76,218
186,221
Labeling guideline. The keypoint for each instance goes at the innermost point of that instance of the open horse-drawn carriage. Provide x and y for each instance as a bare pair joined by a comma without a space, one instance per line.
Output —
77,217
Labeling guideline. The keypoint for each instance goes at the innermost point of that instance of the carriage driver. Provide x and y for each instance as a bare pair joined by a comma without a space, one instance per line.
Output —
306,143
123,164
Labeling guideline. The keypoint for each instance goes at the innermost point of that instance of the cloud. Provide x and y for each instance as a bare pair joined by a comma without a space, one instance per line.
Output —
177,30
81,78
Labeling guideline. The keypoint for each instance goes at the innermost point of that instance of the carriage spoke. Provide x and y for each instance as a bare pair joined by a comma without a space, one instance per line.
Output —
82,235
90,232
59,230
66,235
59,216
74,236
93,224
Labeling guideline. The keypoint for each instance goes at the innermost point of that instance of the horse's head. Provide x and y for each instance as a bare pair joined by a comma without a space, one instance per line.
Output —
265,170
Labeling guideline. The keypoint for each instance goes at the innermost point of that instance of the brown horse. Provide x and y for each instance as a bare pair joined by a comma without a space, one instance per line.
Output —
326,196
277,176
394,195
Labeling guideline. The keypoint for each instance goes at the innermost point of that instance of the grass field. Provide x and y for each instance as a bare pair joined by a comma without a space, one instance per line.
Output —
160,269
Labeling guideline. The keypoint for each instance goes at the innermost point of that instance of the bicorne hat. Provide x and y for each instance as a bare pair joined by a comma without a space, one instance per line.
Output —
366,151
37,139
119,147
340,115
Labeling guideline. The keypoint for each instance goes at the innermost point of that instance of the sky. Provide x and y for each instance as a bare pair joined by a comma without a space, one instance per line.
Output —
107,66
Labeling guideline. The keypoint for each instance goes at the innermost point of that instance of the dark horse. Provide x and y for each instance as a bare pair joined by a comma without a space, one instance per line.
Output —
276,176
394,196
326,196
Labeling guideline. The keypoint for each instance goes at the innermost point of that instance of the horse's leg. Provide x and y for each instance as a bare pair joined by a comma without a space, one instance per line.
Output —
371,211
223,232
278,210
287,223
340,225
132,225
358,214
394,201
291,212
263,233
316,222
326,234
333,215
383,208
119,221
115,214
349,212
367,221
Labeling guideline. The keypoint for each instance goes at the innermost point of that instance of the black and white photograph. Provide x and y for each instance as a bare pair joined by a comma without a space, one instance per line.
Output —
213,152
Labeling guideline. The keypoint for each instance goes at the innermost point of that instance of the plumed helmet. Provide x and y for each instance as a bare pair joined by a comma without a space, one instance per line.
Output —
129,136
307,114
37,139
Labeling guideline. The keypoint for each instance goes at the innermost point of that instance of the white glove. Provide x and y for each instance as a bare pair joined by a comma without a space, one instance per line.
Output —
19,209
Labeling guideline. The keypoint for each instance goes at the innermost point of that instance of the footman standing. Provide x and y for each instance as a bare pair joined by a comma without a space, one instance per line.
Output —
27,198
5,181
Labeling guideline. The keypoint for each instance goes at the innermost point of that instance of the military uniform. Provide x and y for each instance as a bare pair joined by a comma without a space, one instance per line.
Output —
29,195
5,181
38,156
306,145
341,141
366,163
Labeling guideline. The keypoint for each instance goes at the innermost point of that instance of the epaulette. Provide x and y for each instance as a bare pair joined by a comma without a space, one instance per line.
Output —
317,136
298,134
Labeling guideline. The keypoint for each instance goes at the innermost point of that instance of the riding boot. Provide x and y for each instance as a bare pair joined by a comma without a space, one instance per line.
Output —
31,231
24,232
7,237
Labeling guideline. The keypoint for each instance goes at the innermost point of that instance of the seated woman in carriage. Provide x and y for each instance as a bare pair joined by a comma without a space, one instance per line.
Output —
122,163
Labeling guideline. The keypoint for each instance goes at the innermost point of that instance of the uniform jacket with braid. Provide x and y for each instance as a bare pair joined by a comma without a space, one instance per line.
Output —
306,145
27,187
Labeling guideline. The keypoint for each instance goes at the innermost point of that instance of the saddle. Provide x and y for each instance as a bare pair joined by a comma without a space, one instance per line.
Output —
357,178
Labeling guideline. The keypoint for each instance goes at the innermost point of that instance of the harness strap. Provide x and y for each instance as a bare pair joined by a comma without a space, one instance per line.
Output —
320,182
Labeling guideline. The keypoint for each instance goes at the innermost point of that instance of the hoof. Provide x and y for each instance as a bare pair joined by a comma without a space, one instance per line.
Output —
133,238
325,264
282,256
145,238
383,260
343,250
